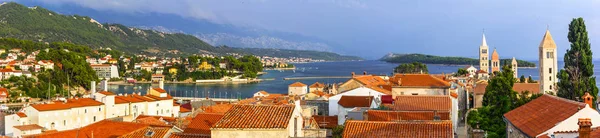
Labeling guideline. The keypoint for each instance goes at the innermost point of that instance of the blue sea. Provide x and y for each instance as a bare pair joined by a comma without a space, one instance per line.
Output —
278,85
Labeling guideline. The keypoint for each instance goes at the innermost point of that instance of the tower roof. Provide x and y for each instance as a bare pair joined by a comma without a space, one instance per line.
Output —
483,42
514,61
495,55
547,41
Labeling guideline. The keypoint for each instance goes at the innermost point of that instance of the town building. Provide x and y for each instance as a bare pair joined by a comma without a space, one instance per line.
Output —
297,88
472,71
157,78
106,71
260,121
441,106
108,128
418,84
495,61
261,94
520,88
371,81
361,91
205,66
354,104
4,95
316,87
547,116
484,56
78,112
548,64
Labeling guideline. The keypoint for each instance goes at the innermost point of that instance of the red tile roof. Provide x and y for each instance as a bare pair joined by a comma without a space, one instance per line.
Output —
297,84
98,129
158,98
326,121
202,123
317,85
382,115
187,135
165,118
159,132
159,90
422,103
128,99
218,108
152,122
541,114
418,80
355,101
184,110
480,88
533,88
595,133
106,93
370,80
28,127
21,114
71,103
413,129
256,116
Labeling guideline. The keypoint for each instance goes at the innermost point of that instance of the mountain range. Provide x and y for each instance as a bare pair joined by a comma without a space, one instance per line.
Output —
43,25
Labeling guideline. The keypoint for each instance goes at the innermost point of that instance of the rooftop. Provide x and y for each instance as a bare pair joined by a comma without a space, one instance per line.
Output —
28,127
297,84
355,101
384,115
380,129
71,103
326,121
202,123
256,116
422,103
418,80
541,114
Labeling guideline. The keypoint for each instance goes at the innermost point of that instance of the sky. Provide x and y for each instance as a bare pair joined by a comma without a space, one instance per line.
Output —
373,28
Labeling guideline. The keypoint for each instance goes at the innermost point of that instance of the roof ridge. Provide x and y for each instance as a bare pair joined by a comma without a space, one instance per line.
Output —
564,99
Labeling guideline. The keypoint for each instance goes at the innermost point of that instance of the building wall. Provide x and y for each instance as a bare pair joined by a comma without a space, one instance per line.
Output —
512,132
19,133
315,89
396,91
478,100
119,110
547,63
333,100
297,90
484,52
13,120
249,133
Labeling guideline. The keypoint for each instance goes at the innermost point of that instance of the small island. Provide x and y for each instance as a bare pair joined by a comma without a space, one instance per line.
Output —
431,59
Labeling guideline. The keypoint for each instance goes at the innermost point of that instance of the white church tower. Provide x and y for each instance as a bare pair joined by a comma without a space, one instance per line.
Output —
515,68
484,56
548,64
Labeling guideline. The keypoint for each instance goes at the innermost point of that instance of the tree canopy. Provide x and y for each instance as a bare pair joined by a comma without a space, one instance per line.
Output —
577,77
411,68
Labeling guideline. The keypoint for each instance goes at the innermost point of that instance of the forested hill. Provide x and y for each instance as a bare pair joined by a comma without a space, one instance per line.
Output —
431,59
42,25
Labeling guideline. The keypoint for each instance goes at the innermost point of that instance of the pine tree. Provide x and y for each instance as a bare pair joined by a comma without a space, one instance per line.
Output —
577,76
522,79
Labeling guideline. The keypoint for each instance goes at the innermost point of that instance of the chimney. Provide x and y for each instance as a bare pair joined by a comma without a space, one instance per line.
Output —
104,84
436,117
400,81
92,88
161,84
588,99
585,127
353,74
364,72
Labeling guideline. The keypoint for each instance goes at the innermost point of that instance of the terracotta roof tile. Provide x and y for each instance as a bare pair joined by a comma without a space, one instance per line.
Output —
418,80
126,99
202,123
158,132
256,116
158,98
71,103
422,103
98,129
595,133
297,84
187,135
21,114
413,129
317,85
218,108
184,110
382,115
355,101
159,90
165,118
326,121
370,80
541,114
318,93
480,88
106,93
151,121
28,127
533,88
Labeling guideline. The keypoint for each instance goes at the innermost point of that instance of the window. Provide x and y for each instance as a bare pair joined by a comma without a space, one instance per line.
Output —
550,87
156,104
415,93
550,78
100,109
64,122
484,51
550,70
85,111
401,93
549,54
94,118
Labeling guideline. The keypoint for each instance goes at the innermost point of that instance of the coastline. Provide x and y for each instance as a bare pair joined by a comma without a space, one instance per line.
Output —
195,82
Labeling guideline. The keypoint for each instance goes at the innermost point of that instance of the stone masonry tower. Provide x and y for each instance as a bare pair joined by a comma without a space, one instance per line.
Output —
548,64
495,61
484,56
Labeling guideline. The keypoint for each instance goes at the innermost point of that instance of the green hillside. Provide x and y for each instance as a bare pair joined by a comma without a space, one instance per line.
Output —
42,25
431,59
